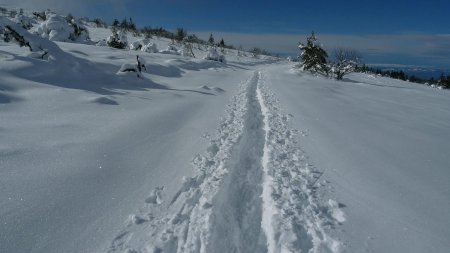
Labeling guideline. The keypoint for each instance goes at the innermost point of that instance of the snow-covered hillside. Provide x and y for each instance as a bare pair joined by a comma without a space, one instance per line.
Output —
251,155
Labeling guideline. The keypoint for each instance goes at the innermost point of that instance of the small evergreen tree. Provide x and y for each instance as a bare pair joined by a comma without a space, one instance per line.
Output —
117,39
8,32
69,17
211,40
99,22
124,24
115,25
40,15
222,43
180,34
147,31
12,13
132,28
314,56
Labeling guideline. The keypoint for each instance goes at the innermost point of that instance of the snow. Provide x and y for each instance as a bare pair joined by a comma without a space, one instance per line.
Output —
251,155
379,141
150,48
171,49
139,44
268,210
213,55
57,28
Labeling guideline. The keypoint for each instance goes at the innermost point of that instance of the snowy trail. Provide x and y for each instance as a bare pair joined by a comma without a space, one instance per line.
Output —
237,213
253,192
296,220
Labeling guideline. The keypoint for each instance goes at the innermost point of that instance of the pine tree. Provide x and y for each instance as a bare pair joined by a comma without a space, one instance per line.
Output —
124,24
180,34
222,43
211,39
314,57
115,25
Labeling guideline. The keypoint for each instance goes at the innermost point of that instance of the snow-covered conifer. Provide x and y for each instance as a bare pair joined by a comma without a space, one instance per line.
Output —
187,49
58,28
211,40
180,34
213,55
117,39
314,57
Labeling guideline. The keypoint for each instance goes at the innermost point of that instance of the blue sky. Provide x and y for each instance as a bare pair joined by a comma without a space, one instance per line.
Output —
414,32
295,16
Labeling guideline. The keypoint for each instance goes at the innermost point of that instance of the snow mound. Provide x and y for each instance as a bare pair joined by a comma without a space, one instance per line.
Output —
213,55
150,48
139,44
187,50
155,197
25,21
171,49
335,211
127,67
104,101
58,28
101,43
34,42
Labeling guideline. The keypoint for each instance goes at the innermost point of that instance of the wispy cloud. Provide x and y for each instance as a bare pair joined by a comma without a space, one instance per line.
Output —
431,49
402,48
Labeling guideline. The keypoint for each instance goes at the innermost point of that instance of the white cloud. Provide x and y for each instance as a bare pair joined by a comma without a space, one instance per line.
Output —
425,47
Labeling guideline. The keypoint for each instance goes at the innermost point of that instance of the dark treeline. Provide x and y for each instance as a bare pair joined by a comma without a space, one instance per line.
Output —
443,81
179,35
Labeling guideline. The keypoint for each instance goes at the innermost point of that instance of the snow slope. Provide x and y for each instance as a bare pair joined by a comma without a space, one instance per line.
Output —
202,156
384,144
80,147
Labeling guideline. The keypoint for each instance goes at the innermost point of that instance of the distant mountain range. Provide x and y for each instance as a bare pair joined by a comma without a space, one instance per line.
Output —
424,72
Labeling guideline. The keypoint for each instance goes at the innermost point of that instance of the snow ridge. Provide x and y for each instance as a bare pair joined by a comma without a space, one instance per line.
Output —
296,222
269,210
237,212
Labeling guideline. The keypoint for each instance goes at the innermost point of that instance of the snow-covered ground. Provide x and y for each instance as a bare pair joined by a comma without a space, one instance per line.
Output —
201,156
384,145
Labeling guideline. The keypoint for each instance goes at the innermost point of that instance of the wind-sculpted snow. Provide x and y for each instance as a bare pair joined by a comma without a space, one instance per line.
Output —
253,191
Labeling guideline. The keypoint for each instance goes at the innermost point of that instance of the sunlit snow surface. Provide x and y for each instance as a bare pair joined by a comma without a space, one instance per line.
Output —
201,156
